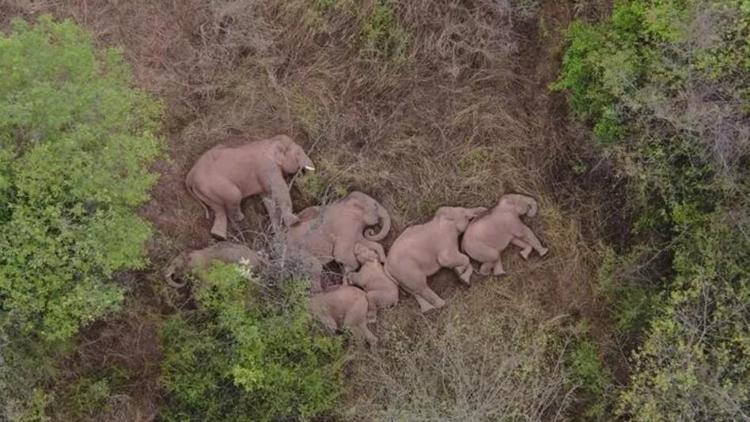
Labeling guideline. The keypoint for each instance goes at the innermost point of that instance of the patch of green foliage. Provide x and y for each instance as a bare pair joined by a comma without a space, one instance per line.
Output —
382,36
665,85
251,352
591,378
76,142
89,395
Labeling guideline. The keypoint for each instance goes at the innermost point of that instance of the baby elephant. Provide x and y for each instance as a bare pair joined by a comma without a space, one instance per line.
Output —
422,250
382,291
343,307
487,237
228,252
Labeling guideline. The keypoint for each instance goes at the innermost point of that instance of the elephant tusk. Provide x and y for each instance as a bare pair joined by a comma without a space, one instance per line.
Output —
309,168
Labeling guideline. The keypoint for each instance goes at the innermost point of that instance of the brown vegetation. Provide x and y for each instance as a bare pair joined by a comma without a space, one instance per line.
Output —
419,104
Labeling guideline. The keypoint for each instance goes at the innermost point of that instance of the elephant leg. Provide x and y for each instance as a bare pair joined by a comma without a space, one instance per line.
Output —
361,332
431,297
525,247
424,305
372,307
219,228
529,237
498,268
486,268
343,253
486,255
274,213
459,262
329,323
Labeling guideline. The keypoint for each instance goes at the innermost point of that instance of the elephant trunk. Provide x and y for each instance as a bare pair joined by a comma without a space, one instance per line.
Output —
169,278
385,226
170,271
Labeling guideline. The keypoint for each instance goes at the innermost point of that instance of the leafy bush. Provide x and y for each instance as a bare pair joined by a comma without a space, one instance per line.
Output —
76,142
665,84
252,352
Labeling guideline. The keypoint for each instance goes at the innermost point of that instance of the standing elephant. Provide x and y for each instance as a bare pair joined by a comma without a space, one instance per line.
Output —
487,237
223,176
421,250
228,252
343,307
330,233
382,291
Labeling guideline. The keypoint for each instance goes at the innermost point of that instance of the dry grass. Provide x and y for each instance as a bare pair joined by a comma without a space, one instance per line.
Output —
507,365
418,103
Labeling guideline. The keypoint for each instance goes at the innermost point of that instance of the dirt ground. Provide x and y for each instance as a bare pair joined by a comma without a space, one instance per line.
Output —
445,103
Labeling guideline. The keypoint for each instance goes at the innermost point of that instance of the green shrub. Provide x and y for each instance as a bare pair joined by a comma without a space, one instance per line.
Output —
76,142
665,85
382,36
251,352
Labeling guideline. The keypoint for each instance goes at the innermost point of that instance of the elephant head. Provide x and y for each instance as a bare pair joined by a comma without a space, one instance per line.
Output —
176,267
372,214
366,254
458,216
289,156
521,204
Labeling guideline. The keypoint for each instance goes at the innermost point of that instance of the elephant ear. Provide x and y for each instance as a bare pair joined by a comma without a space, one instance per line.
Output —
280,152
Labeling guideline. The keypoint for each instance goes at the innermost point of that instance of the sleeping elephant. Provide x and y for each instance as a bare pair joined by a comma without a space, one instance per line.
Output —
487,237
223,176
421,250
382,291
330,233
343,307
228,252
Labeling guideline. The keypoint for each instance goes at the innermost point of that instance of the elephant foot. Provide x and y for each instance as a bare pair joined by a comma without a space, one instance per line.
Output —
219,235
466,276
499,273
424,305
372,320
525,253
543,251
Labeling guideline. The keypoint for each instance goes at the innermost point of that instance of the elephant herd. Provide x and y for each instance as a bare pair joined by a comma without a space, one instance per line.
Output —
345,232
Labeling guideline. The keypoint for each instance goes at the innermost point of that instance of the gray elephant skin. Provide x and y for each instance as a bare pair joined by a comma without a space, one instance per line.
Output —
487,237
330,233
422,250
227,252
223,176
343,307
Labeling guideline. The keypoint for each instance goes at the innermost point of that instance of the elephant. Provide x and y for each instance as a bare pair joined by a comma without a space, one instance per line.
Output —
223,176
421,250
228,252
486,237
343,307
330,233
382,290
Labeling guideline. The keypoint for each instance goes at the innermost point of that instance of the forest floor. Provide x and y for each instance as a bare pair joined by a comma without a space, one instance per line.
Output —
433,105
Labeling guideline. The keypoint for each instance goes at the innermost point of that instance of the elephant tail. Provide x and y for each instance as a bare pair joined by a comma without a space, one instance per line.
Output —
196,195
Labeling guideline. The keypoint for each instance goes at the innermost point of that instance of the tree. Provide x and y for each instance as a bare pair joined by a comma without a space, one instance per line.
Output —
76,143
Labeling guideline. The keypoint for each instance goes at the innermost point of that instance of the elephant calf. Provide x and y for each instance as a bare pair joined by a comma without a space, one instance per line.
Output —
421,250
382,291
343,307
487,237
228,252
